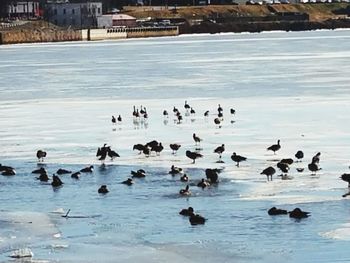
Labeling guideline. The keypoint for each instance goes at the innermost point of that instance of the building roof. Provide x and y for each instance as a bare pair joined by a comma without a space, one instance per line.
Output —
120,17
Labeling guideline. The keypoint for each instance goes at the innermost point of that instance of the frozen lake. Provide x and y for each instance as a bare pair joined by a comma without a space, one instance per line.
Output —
60,97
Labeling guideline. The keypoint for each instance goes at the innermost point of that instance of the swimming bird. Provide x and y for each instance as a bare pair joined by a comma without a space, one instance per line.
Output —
40,154
138,147
175,170
313,167
139,173
274,147
129,182
193,155
238,158
316,158
114,121
88,169
219,150
103,189
56,181
175,147
196,139
275,211
196,219
9,171
63,171
203,183
186,191
269,172
75,175
299,155
346,178
43,177
4,168
184,178
297,213
187,212
41,170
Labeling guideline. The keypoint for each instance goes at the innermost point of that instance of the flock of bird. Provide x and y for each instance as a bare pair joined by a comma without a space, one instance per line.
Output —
212,175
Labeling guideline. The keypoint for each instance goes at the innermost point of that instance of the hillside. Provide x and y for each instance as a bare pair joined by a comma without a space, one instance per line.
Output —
317,12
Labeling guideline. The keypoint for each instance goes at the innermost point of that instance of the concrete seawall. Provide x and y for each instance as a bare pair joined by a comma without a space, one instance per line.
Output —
36,35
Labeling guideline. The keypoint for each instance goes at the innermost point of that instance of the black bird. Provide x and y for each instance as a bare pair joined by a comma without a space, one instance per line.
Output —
313,167
175,110
175,147
139,173
4,168
346,178
40,154
298,214
98,153
187,212
43,177
134,113
88,169
269,172
185,191
175,170
220,109
114,121
274,147
152,144
103,189
284,167
9,172
316,158
63,171
157,148
179,118
119,119
142,110
238,158
196,219
221,116
146,151
193,155
206,114
102,152
196,139
184,178
138,147
288,161
299,155
129,182
203,183
276,211
219,150
165,114
232,111
212,175
192,111
217,122
75,175
112,154
41,170
56,181
187,106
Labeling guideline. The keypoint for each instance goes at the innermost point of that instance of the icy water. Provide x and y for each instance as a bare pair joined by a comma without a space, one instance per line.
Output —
60,97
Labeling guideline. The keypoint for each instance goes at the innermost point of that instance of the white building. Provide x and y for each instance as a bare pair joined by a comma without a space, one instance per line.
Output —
76,15
116,20
23,9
